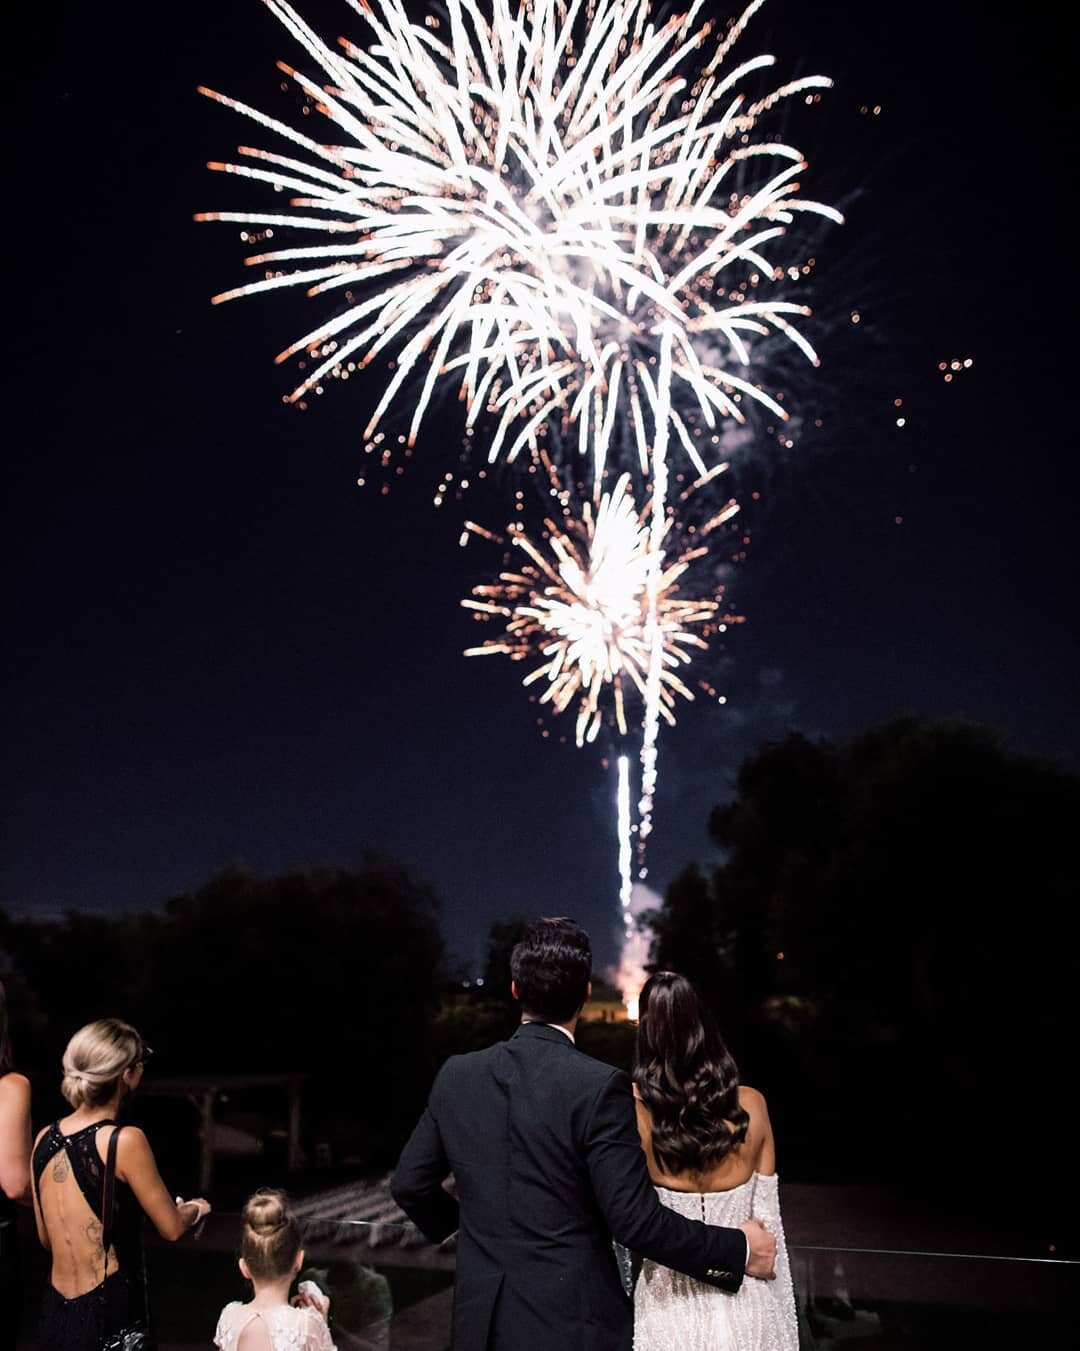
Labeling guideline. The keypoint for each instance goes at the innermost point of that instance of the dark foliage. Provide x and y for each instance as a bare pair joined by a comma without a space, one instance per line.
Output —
331,974
891,945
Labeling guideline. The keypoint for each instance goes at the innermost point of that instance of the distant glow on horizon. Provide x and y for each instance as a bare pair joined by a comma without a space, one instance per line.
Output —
631,972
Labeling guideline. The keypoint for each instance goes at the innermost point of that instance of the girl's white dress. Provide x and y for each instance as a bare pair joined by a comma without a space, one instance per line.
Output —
289,1329
673,1312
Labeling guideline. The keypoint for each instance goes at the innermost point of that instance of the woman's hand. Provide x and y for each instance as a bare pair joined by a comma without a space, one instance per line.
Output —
202,1209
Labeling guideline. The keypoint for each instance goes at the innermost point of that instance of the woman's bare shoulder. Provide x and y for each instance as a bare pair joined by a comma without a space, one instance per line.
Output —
14,1088
131,1141
759,1134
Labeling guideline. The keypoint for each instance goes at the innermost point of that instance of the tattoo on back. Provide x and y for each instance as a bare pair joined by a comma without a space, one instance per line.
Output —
93,1233
60,1168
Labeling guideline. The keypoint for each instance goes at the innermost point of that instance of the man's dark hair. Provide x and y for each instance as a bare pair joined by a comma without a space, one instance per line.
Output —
551,967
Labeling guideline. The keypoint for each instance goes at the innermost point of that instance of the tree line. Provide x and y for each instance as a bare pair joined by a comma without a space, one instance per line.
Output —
888,936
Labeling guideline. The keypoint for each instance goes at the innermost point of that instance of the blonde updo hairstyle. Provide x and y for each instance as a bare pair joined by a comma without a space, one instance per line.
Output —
271,1238
95,1058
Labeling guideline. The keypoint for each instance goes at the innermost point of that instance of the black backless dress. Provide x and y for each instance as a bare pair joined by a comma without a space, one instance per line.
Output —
117,1302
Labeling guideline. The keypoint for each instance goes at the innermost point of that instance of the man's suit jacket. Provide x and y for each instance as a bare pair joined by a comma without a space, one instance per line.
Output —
542,1141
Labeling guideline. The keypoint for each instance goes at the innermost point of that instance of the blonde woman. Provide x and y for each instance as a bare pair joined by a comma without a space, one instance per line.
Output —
270,1258
14,1179
93,1181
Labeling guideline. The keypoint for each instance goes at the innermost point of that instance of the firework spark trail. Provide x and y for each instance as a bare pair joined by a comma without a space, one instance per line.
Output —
626,853
535,201
653,634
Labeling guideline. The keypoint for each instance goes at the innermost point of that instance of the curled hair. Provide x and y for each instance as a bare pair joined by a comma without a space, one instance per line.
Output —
7,1056
552,966
95,1058
686,1078
271,1237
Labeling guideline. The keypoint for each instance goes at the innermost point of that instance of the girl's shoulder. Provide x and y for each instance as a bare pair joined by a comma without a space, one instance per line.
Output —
226,1330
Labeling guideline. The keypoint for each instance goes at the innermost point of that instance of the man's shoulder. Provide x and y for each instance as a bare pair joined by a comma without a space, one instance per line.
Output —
575,1068
468,1062
598,1070
571,1061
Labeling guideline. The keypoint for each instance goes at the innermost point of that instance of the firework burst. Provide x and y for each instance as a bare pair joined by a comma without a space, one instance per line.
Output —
533,203
578,611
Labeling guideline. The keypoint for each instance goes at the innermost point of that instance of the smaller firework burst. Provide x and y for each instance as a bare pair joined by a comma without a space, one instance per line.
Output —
579,609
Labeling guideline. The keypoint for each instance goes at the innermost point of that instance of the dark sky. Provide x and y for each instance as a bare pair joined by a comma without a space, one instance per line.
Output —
222,651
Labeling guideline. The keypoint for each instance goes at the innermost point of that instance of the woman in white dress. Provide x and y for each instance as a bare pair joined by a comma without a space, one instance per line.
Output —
270,1257
712,1157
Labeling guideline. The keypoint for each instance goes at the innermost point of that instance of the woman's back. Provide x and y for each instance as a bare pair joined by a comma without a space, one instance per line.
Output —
755,1154
69,1171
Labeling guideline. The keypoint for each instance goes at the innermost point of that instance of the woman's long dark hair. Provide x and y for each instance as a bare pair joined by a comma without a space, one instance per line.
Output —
686,1078
7,1057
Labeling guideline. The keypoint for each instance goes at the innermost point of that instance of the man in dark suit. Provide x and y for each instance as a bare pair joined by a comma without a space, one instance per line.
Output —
544,1149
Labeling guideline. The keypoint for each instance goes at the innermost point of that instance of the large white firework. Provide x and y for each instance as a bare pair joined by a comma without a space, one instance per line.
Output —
526,201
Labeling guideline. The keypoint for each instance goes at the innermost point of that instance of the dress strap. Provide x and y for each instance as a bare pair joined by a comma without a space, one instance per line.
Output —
46,1148
108,1205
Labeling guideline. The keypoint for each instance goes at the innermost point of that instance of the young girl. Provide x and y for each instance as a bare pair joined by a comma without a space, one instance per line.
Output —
270,1257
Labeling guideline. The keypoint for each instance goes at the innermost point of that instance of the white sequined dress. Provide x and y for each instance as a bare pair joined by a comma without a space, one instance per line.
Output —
673,1312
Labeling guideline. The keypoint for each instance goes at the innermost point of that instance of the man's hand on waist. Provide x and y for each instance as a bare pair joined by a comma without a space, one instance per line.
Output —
761,1254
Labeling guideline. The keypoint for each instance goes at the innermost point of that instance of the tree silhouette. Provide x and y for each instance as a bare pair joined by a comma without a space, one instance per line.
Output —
332,974
894,925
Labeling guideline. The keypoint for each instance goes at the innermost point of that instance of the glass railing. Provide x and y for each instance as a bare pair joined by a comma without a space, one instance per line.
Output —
391,1290
877,1299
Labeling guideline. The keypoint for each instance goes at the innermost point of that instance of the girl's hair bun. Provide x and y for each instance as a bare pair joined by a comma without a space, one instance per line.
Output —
271,1237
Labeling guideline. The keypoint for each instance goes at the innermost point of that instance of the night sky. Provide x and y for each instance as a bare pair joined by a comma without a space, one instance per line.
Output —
222,651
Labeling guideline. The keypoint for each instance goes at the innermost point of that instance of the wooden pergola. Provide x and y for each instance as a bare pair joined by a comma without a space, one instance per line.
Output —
204,1090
